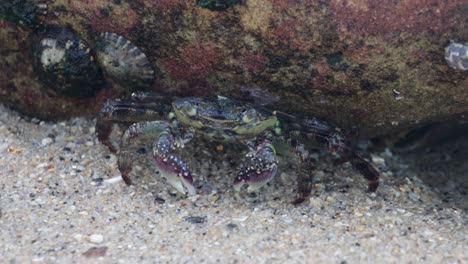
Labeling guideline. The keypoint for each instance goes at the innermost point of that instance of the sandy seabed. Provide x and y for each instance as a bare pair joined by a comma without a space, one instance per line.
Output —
61,201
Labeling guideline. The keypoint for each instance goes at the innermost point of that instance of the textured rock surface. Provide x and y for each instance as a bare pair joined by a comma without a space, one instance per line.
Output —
373,65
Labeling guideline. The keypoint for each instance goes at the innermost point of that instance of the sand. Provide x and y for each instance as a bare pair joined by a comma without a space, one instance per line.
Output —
62,201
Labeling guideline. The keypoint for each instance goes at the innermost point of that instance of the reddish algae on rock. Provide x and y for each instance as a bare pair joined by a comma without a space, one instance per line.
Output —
374,66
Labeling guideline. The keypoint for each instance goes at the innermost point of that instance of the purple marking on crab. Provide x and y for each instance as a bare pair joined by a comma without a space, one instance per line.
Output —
260,168
254,178
176,173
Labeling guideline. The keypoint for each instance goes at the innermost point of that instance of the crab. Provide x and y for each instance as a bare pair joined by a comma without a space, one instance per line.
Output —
172,122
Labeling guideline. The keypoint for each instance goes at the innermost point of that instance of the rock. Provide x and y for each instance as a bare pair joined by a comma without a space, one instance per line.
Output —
46,141
78,237
195,219
95,252
375,68
96,238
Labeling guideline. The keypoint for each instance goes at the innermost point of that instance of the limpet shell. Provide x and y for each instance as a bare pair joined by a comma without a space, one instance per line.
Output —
64,61
123,62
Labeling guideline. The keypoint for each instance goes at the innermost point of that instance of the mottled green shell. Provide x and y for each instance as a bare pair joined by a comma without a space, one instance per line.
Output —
222,119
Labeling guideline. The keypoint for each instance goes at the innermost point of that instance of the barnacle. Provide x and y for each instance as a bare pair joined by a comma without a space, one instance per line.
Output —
456,55
123,62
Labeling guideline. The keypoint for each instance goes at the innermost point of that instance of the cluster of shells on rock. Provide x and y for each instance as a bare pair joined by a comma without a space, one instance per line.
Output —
67,64
456,55
122,62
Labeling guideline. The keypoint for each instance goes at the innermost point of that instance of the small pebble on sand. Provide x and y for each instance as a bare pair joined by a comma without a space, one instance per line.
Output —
46,141
96,238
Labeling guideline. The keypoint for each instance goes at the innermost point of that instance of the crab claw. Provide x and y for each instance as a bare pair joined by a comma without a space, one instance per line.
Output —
260,168
171,167
176,173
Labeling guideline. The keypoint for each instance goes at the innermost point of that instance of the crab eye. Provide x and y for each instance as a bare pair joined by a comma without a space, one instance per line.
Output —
249,116
187,108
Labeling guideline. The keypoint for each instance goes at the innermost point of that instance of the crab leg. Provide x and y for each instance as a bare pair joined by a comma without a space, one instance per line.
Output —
260,168
305,176
103,131
141,130
318,134
364,167
336,143
126,111
153,97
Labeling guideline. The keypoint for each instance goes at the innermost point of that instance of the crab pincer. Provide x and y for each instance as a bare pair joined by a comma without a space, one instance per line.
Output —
172,167
260,168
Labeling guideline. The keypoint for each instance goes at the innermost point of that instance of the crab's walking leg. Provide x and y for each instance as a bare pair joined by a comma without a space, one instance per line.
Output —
126,112
141,130
364,167
260,167
336,143
323,135
305,176
103,131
